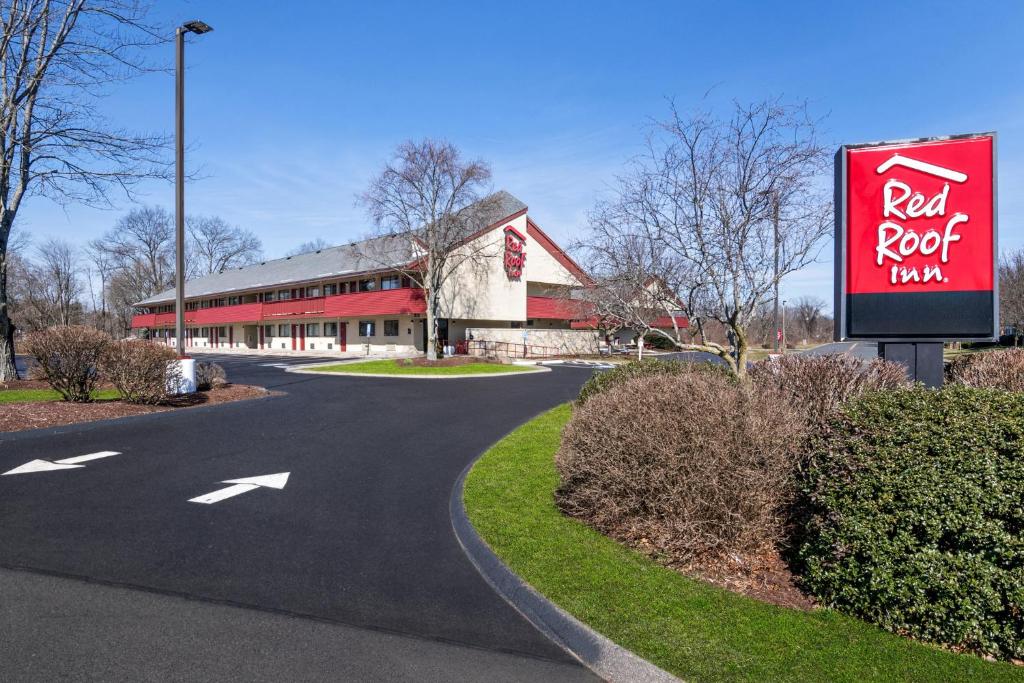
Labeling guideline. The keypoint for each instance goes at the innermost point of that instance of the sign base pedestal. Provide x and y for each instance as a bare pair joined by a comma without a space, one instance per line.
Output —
923,360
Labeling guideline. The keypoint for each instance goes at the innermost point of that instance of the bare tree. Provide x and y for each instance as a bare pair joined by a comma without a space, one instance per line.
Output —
808,313
215,246
428,206
1011,293
702,201
312,245
57,57
140,252
57,284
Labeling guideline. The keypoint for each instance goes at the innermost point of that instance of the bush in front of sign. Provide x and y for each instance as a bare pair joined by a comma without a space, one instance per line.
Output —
603,381
818,386
989,369
210,375
915,520
692,467
139,370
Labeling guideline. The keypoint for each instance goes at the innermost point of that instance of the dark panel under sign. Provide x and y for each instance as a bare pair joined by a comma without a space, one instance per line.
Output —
924,315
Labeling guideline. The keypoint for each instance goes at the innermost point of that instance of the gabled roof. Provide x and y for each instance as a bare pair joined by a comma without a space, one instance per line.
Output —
380,253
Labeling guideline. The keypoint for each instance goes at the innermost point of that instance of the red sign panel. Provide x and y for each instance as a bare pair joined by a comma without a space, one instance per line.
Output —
515,252
916,240
920,217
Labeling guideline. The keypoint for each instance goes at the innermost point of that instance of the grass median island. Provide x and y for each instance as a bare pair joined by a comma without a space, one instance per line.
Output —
397,367
687,627
44,395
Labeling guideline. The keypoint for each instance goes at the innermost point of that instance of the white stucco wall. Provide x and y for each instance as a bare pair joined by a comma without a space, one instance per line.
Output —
554,342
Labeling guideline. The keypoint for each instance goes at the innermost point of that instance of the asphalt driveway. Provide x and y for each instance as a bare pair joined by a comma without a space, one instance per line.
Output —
357,546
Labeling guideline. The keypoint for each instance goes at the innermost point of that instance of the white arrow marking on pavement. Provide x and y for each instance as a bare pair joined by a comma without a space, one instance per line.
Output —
63,464
272,481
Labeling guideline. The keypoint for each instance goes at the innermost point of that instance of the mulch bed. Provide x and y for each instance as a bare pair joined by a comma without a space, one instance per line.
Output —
767,579
15,417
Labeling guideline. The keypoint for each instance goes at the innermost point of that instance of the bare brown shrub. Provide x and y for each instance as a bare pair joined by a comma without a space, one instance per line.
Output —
818,386
67,358
139,370
686,467
989,370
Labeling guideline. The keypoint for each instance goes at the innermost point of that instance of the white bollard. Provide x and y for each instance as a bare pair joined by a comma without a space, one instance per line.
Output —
181,376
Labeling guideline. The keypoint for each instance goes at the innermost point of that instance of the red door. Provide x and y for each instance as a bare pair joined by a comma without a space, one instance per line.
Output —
342,334
294,332
302,337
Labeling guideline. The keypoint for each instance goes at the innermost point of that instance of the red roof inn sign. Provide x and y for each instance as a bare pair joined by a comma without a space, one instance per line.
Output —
916,240
515,252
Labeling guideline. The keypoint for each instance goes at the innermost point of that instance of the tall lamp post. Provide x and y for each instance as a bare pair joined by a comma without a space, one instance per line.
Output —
775,272
199,28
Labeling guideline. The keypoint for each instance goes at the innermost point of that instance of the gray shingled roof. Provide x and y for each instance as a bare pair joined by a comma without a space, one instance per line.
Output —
358,257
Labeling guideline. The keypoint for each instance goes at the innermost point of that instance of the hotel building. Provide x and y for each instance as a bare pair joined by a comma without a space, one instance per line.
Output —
353,299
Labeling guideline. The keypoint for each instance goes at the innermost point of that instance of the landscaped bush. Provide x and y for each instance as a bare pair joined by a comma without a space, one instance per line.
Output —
680,465
916,516
990,369
139,370
209,375
603,381
819,385
68,359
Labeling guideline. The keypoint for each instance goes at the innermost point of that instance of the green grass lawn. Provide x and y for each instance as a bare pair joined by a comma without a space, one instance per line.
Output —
34,395
690,628
396,367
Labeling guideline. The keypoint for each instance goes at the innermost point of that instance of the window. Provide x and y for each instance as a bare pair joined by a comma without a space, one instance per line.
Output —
366,328
204,332
268,330
268,296
390,328
330,290
234,300
390,282
312,291
516,325
367,285
223,332
283,330
284,295
312,329
406,282
330,329
529,323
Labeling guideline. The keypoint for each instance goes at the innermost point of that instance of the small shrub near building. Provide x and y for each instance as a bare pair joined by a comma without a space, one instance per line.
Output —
210,376
68,358
819,385
990,369
139,370
682,464
916,521
603,381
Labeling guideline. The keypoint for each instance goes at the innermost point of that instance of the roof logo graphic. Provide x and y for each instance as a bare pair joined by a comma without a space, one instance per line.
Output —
923,166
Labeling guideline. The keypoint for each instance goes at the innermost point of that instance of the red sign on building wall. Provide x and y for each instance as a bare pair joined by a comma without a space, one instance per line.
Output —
515,252
916,240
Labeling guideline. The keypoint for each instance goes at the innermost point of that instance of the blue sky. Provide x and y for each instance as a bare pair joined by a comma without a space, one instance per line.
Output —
292,107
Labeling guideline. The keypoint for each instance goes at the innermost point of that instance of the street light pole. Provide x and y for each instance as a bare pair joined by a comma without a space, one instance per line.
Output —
775,272
783,326
198,28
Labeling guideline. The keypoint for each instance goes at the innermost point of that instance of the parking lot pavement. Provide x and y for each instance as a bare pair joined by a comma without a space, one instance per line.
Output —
864,350
353,528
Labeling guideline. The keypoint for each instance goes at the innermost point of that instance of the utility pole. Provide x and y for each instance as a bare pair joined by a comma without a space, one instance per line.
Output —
783,330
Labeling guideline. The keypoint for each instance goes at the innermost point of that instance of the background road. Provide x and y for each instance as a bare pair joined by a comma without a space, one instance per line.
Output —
350,571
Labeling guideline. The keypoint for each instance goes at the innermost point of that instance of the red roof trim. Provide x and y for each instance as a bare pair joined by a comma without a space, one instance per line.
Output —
509,228
557,252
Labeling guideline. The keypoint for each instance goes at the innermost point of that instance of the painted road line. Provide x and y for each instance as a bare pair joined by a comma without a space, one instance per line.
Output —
239,486
63,464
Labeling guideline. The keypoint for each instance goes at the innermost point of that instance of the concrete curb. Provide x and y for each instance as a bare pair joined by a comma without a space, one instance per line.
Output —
599,654
475,375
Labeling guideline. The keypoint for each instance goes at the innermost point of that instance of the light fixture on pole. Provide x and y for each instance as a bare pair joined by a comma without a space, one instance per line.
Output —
199,28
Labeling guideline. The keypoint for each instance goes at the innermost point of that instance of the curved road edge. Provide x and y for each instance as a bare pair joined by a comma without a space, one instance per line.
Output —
601,655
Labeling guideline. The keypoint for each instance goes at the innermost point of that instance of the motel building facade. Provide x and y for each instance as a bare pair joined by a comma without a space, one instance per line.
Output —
353,299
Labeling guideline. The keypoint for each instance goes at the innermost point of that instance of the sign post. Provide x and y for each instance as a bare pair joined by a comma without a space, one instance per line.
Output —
916,247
